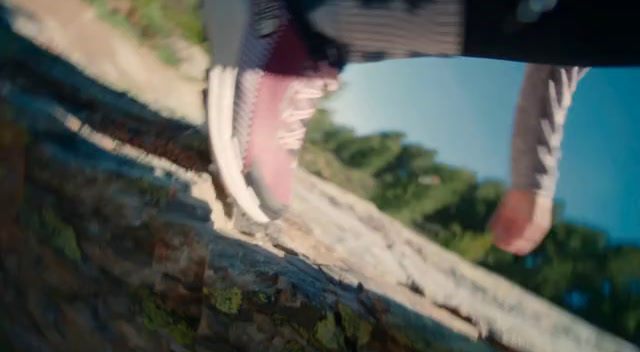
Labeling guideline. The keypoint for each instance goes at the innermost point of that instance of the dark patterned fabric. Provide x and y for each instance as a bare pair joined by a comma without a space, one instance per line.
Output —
374,30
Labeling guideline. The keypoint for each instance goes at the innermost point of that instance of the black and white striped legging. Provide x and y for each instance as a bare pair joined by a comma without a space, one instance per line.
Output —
559,32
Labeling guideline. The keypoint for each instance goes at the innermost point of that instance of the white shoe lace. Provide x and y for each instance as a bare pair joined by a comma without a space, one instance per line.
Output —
300,105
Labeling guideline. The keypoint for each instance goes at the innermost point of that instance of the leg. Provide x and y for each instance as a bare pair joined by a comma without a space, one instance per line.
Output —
570,32
573,32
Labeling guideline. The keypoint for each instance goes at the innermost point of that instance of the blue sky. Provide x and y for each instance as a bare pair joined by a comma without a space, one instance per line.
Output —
464,108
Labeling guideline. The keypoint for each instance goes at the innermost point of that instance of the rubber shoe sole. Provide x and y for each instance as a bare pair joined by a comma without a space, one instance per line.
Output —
226,23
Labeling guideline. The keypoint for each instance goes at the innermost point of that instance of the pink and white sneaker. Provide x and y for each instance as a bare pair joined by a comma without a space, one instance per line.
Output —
263,86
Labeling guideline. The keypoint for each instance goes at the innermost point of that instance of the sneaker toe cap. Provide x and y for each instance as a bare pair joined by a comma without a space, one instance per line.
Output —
273,199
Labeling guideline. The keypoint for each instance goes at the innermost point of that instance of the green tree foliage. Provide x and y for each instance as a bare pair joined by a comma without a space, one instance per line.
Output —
319,127
402,193
319,158
574,267
322,131
370,153
623,266
412,160
473,208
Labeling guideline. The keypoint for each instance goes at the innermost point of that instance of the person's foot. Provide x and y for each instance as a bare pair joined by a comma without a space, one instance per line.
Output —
263,86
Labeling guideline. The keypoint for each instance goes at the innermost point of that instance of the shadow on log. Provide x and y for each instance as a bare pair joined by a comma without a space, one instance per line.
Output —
106,248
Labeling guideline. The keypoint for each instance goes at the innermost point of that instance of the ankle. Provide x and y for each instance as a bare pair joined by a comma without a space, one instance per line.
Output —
321,47
376,30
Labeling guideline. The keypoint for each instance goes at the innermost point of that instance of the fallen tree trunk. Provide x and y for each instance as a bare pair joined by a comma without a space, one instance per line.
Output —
107,248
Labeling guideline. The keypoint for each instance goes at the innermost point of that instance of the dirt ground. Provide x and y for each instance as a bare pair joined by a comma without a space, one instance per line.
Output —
73,30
